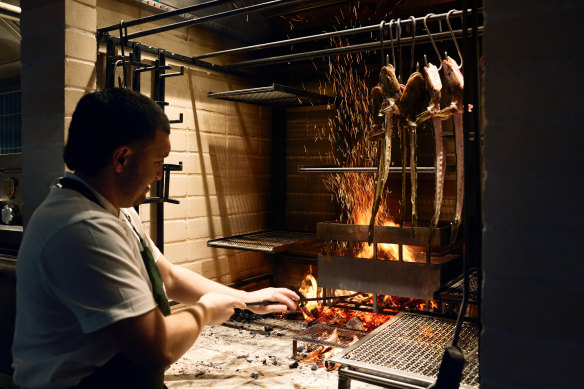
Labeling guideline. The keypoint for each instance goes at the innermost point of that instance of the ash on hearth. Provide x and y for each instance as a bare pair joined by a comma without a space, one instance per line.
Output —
245,316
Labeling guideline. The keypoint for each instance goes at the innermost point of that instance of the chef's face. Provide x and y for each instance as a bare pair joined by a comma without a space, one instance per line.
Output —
144,167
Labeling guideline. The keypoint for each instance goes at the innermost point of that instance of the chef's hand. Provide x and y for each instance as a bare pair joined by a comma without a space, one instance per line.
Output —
286,297
220,307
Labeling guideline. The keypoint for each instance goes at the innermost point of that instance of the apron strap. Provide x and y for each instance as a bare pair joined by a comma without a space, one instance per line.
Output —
121,372
147,257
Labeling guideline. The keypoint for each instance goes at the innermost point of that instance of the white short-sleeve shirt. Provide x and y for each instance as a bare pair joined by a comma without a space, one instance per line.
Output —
79,269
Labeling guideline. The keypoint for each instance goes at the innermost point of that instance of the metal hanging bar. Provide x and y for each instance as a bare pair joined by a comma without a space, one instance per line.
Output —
164,15
180,58
325,35
360,169
309,38
220,15
371,46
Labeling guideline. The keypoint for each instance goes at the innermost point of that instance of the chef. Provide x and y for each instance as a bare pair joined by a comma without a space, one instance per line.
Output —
92,288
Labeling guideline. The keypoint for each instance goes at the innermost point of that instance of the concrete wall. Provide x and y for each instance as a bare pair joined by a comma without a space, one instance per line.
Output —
58,66
532,264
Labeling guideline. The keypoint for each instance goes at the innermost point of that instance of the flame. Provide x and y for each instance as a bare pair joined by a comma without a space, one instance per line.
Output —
387,250
309,289
346,132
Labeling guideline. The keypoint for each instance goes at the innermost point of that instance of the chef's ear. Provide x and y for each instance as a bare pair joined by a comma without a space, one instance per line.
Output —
120,158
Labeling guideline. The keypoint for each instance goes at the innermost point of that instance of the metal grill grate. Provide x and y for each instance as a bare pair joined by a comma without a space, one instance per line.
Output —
267,241
453,291
275,94
329,335
412,346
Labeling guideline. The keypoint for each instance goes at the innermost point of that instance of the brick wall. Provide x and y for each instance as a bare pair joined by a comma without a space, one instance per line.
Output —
225,149
532,265
307,201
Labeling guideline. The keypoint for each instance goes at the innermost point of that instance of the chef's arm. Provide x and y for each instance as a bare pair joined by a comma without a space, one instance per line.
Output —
186,286
156,341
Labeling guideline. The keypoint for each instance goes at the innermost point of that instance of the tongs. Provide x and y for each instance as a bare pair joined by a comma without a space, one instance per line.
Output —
302,300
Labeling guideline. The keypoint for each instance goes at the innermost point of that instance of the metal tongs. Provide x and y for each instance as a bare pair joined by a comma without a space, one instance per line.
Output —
302,300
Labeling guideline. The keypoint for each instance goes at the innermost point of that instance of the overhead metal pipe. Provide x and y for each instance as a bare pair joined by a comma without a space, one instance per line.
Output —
338,51
292,41
350,31
163,15
220,15
9,11
185,59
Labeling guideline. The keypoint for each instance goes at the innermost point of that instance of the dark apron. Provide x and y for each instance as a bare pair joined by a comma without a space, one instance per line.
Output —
120,372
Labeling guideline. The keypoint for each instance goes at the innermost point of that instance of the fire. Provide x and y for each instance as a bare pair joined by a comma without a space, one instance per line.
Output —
347,133
349,318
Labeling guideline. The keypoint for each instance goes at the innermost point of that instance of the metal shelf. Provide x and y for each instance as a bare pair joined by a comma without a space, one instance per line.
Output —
271,242
407,351
275,94
453,290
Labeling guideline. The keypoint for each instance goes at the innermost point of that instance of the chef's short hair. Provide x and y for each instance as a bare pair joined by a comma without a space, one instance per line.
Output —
106,120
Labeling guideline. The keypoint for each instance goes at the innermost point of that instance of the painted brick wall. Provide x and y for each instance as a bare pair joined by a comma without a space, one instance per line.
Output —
225,149
532,264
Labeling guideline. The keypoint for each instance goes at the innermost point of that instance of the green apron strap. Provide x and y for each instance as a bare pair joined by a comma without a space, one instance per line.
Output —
120,372
153,274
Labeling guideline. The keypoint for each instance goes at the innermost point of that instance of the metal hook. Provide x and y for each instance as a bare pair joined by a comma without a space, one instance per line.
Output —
453,37
381,34
399,54
391,37
413,19
432,39
123,36
123,40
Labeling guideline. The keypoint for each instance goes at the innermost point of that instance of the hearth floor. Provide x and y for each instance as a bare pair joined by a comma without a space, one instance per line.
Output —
234,354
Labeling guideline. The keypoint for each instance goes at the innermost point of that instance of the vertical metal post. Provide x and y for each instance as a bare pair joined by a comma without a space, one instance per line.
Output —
158,95
110,63
137,56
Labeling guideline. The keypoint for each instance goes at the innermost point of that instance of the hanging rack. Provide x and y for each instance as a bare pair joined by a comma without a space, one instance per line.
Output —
309,55
220,15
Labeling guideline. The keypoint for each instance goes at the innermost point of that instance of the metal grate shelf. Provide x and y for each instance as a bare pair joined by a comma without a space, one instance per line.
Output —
453,290
275,94
409,348
271,242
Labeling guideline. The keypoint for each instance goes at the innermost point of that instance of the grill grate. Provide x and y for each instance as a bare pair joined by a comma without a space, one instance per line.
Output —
266,241
453,291
412,346
329,335
275,94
